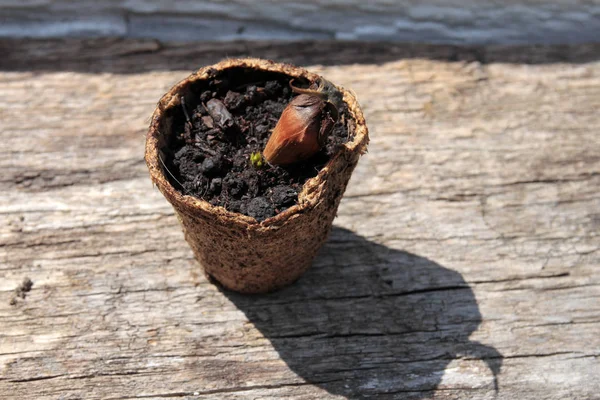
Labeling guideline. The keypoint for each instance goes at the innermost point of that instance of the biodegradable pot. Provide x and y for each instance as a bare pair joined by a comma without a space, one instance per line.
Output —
236,250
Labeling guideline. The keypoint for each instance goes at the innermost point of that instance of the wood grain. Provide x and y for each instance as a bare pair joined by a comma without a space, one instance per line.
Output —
466,246
440,21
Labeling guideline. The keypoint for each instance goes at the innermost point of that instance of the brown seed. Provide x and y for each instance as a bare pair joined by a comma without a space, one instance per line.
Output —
301,131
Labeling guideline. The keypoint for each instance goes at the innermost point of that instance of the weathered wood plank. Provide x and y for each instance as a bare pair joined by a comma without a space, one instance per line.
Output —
467,243
441,21
135,56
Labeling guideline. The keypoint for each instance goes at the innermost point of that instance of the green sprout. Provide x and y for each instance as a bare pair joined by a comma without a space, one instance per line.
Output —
256,159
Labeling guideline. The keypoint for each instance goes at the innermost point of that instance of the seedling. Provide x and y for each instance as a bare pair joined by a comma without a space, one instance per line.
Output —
257,161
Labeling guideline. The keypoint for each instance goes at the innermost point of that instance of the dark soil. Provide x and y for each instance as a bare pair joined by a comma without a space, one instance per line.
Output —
225,120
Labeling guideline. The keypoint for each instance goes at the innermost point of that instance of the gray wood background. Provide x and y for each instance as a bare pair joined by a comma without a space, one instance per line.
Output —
465,254
442,21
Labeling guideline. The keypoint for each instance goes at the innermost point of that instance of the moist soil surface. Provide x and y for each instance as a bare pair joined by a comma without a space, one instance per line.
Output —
223,122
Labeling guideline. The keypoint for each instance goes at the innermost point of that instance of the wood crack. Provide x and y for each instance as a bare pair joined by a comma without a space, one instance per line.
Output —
221,391
470,223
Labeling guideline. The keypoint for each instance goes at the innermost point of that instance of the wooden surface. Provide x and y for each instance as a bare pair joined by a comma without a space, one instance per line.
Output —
440,21
466,247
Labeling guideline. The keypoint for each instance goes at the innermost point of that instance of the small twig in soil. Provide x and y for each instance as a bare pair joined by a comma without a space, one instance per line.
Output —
252,139
206,188
187,117
205,149
172,176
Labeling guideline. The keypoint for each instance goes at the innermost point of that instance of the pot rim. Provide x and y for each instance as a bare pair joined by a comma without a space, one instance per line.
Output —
308,198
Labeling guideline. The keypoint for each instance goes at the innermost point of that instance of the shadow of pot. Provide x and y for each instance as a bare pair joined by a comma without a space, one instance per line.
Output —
368,321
